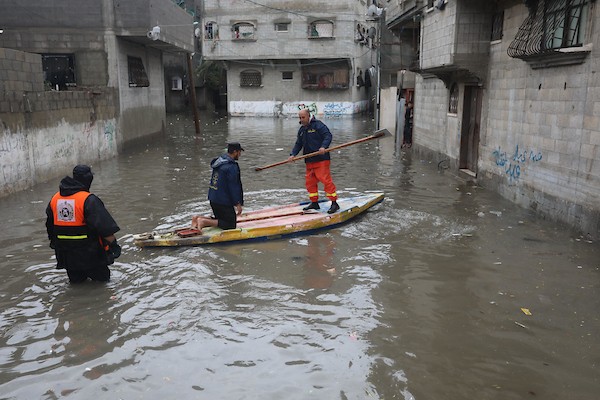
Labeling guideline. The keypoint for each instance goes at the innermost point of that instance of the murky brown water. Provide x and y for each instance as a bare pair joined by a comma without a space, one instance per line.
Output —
418,299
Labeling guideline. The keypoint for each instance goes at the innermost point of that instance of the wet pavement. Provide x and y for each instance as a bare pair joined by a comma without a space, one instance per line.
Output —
426,296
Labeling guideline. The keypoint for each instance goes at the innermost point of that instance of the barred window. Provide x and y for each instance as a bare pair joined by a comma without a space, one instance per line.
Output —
211,31
453,102
320,29
137,72
250,78
59,70
551,25
497,26
562,23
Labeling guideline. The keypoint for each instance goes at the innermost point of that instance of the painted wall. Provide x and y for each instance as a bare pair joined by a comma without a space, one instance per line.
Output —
285,97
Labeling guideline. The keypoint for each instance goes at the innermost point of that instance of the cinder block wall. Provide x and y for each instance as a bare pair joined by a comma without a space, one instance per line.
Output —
20,72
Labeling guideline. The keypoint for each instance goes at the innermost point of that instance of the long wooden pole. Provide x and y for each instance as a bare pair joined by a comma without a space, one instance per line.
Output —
376,135
193,93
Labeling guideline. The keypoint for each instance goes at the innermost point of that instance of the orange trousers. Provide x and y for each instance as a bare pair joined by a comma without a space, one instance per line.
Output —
319,172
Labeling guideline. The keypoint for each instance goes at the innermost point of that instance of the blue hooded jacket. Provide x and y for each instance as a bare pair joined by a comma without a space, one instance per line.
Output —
311,138
225,186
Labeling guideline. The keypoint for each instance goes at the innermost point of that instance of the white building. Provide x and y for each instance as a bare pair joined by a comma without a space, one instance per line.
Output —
281,56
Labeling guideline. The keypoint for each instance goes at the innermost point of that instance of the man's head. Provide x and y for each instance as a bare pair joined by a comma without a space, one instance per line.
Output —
234,149
83,174
304,116
410,104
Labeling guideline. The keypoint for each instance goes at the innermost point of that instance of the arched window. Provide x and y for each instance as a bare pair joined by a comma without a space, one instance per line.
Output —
453,102
243,30
320,29
250,78
211,31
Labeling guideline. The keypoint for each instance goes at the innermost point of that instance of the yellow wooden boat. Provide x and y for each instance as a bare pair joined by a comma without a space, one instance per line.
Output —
267,223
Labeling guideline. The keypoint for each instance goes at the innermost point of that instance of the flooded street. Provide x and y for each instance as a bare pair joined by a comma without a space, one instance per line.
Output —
424,297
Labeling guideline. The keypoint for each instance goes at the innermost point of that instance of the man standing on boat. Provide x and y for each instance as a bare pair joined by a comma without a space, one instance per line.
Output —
315,136
81,230
225,191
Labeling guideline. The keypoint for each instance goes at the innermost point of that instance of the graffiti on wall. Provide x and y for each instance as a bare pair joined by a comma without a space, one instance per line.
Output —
515,163
312,108
337,109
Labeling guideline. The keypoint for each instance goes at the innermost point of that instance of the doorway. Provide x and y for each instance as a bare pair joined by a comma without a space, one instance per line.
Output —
469,135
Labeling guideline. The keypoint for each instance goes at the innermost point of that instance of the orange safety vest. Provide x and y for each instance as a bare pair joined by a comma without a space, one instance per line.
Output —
69,219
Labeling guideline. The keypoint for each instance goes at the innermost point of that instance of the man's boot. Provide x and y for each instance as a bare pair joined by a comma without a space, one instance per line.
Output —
334,207
312,206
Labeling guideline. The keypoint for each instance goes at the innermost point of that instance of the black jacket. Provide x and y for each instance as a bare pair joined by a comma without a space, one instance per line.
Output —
99,223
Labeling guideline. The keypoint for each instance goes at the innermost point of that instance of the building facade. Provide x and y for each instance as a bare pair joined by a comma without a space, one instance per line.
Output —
78,82
506,92
281,56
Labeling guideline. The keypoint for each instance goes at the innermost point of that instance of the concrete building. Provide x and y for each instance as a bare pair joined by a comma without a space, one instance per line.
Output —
507,94
79,81
281,56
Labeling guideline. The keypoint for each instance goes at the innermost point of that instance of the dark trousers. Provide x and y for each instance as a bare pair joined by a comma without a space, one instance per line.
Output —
225,215
96,274
407,133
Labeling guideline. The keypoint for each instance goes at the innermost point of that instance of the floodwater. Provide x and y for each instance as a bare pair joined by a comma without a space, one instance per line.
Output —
424,297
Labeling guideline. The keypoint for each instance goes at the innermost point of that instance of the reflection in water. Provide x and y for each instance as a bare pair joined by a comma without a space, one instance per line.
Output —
420,297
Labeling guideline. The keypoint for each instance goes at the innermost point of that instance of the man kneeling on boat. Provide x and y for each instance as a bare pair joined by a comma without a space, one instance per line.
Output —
225,191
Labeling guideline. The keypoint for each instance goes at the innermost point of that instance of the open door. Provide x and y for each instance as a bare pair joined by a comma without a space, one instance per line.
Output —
469,135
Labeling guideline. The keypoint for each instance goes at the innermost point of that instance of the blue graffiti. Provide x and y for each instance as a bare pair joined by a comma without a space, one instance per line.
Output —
512,164
333,109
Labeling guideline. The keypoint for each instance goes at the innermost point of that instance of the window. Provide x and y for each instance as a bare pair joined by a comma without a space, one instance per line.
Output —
287,75
243,31
176,83
562,23
453,102
334,75
282,26
137,73
211,31
59,70
550,26
250,78
320,29
497,26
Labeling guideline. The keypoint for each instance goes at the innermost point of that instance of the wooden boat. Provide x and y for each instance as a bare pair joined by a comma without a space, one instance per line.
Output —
264,224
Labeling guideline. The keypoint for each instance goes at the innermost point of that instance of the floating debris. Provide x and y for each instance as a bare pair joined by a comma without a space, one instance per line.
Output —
526,311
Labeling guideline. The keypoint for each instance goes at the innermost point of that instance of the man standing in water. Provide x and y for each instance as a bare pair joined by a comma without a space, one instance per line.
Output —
225,191
81,230
314,136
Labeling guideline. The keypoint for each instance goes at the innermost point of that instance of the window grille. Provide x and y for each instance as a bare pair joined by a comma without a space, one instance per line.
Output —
176,83
287,75
211,31
453,102
137,73
59,70
497,26
250,78
551,25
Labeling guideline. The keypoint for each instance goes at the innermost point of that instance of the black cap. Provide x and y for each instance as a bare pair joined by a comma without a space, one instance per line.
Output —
233,146
83,174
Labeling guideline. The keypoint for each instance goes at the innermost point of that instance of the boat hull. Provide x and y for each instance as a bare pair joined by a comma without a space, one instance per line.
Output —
269,223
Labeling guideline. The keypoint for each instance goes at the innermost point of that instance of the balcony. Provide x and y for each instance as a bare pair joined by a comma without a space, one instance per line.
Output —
135,19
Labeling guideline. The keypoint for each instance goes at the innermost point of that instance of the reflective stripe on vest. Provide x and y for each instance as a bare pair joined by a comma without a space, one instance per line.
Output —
68,212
